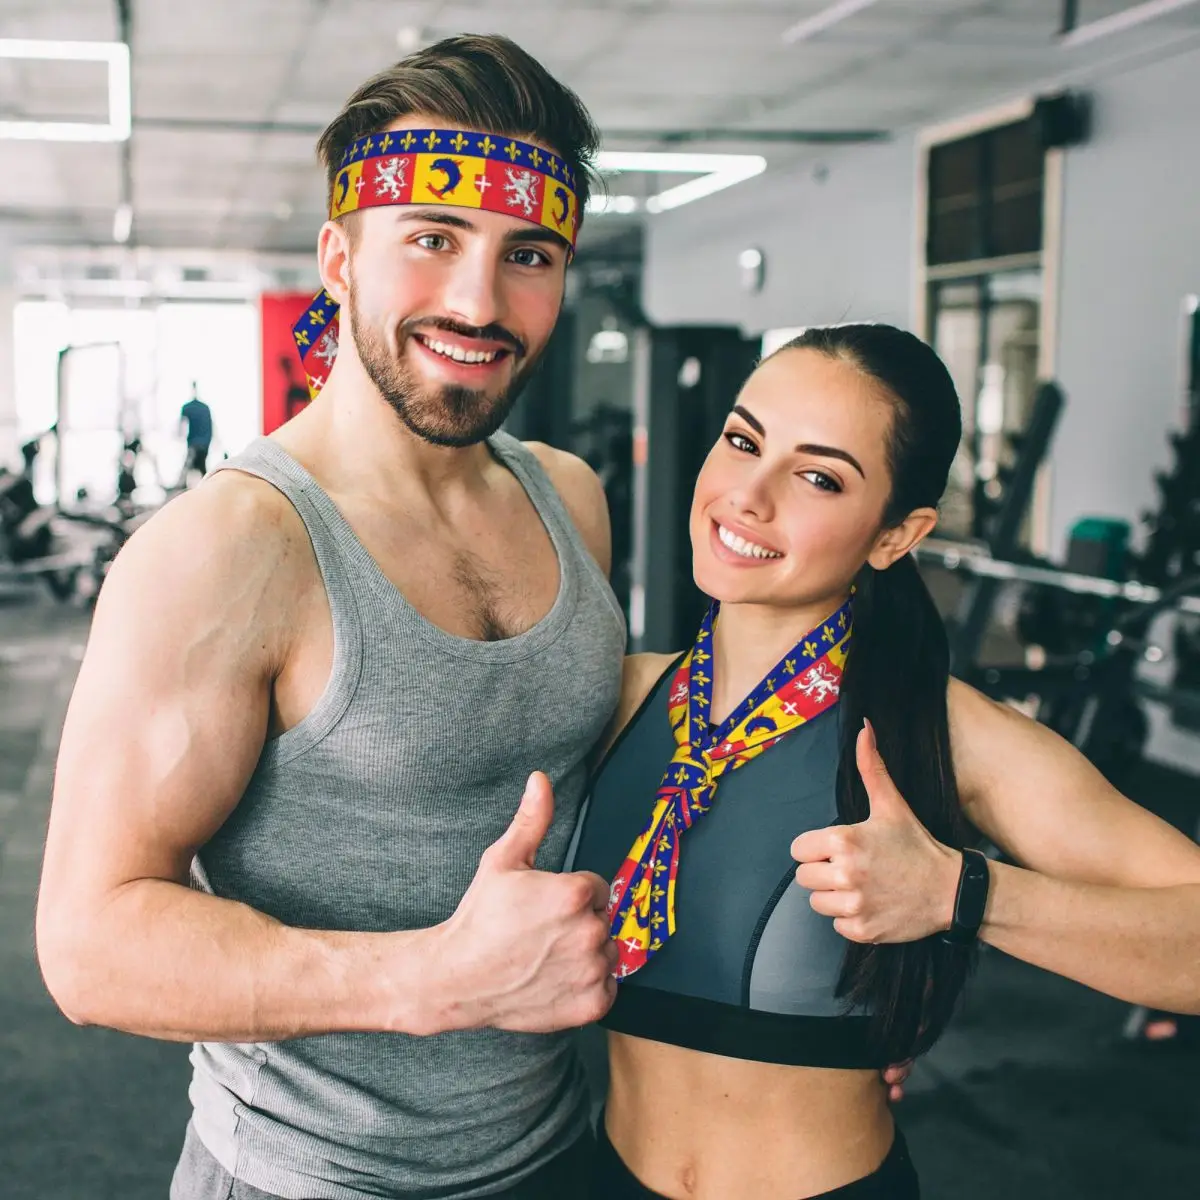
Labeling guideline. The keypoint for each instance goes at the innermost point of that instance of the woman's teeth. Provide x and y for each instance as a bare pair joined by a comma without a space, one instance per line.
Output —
457,353
746,549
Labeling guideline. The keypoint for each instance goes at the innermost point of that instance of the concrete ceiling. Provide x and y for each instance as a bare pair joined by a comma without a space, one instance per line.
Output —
228,94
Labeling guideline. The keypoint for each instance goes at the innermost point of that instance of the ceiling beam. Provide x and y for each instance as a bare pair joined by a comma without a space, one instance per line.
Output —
778,136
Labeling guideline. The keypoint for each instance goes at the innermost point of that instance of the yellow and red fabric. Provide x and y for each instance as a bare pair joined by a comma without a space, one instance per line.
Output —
804,684
438,167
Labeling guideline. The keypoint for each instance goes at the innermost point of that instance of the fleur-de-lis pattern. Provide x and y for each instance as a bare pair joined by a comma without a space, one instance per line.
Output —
638,905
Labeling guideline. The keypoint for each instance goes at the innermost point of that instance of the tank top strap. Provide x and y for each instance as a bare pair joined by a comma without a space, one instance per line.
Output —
336,548
546,499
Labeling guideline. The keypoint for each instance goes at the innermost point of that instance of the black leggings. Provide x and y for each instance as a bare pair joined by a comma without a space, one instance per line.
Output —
896,1179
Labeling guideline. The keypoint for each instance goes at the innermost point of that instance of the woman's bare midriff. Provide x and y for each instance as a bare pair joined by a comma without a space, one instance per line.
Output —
696,1126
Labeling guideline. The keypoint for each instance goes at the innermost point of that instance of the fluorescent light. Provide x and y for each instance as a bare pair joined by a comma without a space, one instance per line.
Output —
613,204
1120,21
122,223
823,20
716,172
746,167
666,162
120,102
67,51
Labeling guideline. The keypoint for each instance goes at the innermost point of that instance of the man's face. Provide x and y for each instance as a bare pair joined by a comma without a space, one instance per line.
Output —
449,310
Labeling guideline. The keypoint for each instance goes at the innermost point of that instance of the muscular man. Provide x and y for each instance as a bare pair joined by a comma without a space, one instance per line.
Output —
285,821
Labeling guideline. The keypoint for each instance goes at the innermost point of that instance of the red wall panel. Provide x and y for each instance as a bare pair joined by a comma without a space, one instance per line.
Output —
285,389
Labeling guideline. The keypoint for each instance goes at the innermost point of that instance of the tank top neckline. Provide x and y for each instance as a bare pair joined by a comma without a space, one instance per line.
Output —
509,453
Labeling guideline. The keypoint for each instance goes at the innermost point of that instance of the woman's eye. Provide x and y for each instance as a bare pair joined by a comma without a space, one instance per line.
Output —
819,479
529,258
439,240
739,441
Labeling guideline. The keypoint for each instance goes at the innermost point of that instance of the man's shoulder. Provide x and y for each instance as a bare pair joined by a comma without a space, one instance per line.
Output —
228,561
232,519
582,494
568,472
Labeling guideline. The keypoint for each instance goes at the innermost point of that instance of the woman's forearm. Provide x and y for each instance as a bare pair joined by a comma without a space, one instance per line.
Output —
1138,944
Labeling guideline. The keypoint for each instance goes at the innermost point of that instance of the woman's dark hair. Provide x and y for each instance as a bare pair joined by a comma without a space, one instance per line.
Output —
485,82
896,675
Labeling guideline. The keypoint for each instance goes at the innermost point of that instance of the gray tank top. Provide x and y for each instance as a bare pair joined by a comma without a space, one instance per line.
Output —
371,815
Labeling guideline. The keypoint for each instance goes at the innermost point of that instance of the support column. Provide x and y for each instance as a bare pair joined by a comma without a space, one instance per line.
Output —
8,381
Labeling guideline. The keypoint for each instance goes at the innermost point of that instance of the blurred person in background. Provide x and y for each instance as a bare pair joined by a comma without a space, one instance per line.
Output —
196,423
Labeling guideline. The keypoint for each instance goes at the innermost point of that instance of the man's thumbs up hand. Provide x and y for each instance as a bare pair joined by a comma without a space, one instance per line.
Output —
527,950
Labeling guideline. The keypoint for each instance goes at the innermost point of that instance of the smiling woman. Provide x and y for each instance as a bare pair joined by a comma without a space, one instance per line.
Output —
746,1000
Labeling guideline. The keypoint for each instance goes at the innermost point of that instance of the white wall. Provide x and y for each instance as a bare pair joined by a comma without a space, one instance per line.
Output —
842,249
1131,252
838,244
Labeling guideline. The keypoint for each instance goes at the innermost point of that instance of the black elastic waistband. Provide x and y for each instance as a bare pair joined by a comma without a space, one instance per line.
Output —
736,1032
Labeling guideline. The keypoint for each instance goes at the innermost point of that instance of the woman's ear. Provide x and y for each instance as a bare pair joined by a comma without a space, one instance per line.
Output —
893,544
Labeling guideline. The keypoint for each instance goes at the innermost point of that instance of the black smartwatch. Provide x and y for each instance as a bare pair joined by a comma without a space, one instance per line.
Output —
971,900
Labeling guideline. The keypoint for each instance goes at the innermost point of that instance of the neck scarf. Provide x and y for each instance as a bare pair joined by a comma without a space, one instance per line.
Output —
803,685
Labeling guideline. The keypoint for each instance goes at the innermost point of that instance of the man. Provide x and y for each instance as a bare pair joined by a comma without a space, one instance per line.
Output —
197,417
317,685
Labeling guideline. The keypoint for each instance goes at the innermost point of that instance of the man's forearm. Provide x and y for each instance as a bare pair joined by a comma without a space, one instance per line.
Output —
164,961
1138,944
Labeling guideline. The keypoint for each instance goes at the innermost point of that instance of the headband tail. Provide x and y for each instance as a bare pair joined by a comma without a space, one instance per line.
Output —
316,336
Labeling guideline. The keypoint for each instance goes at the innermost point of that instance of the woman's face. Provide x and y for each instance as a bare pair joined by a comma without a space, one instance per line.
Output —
789,502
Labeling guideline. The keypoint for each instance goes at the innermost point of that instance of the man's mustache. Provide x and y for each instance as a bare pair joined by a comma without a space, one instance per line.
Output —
488,333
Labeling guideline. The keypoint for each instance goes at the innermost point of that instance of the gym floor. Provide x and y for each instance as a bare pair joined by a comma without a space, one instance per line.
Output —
1032,1093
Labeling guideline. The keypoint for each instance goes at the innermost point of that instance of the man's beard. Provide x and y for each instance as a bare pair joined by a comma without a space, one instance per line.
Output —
449,415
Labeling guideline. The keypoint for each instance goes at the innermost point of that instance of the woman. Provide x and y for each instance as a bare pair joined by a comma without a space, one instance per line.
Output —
758,999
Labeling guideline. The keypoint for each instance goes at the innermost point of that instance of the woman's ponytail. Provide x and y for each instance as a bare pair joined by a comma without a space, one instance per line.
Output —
896,676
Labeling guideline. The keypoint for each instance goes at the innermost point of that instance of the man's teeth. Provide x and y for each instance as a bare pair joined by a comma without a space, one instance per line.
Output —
746,549
458,353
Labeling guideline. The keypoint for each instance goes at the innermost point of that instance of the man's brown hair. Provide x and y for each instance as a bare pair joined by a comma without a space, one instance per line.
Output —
485,82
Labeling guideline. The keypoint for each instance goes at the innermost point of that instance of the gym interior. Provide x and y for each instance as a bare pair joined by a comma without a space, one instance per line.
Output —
1015,181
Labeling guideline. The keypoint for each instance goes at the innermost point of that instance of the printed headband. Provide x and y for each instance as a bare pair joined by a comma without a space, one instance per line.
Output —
438,166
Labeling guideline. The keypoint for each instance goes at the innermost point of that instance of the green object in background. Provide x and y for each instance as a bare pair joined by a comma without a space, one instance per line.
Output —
1099,546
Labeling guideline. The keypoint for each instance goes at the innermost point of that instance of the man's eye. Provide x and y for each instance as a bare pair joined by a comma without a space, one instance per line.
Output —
529,258
426,238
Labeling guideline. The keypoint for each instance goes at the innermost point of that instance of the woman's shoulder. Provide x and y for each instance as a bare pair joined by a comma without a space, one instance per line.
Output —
640,674
638,677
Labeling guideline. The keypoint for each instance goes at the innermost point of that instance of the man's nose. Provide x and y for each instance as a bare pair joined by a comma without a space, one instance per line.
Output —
472,293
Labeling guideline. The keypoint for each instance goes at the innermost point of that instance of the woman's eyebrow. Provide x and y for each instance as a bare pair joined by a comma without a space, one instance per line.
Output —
805,447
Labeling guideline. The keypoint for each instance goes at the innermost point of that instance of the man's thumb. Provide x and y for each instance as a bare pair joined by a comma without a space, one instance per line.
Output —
530,823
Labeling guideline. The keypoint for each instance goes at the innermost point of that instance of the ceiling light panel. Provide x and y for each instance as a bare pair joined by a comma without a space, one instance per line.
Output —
115,55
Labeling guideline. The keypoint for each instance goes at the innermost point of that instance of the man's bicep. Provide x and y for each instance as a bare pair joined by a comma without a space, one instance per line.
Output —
166,723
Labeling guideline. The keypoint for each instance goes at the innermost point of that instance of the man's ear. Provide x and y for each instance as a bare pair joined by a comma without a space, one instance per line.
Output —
893,544
333,260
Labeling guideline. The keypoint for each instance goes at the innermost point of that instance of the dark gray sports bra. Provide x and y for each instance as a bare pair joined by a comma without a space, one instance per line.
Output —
751,970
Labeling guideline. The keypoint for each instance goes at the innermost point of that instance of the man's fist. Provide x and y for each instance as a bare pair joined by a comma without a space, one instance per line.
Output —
528,950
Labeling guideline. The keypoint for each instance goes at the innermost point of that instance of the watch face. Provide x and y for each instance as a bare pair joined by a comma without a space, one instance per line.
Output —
972,893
